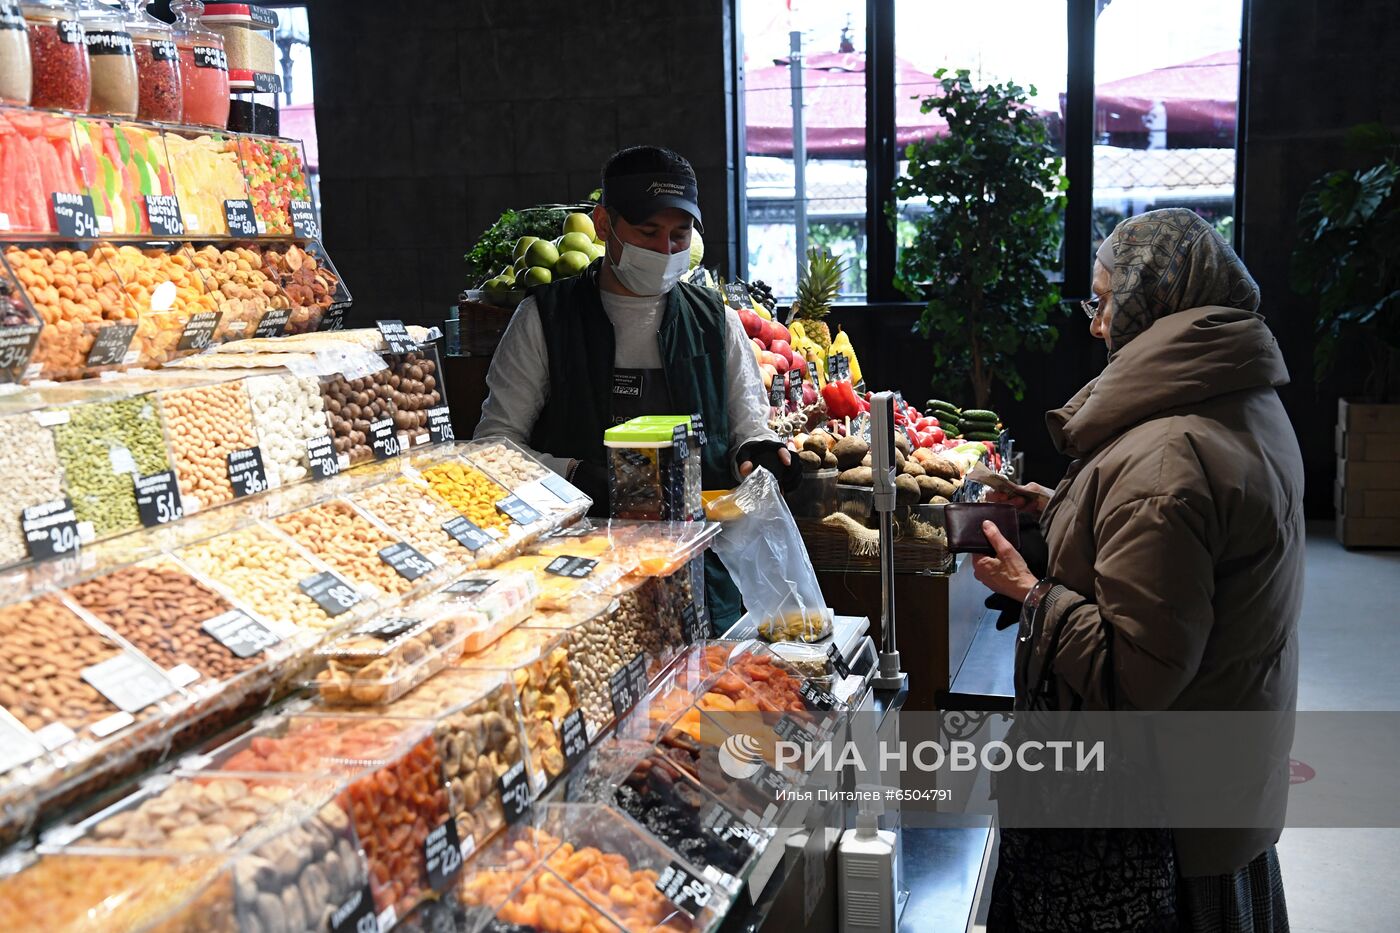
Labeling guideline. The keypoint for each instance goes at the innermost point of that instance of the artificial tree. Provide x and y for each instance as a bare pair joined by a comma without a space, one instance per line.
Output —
994,188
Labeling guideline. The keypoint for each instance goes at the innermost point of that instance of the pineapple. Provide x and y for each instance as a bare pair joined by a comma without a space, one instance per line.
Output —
817,287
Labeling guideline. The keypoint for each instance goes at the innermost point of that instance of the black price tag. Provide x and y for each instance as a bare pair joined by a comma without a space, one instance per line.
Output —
266,83
473,587
17,345
817,697
209,56
50,529
242,222
77,218
240,633
620,688
690,894
812,373
396,337
515,792
110,345
838,662
697,424
637,672
262,16
389,628
334,318
246,472
719,823
164,213
680,442
158,499
440,425
382,439
356,915
574,567
442,854
769,782
562,489
406,560
692,625
273,323
199,330
517,511
129,682
573,737
776,390
465,532
790,730
330,592
320,453
794,389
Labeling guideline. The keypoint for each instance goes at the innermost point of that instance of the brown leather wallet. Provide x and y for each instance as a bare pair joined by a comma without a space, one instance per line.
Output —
962,521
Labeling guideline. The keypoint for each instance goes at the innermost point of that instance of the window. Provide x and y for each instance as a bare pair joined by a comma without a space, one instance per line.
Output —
805,183
297,102
1161,131
1164,110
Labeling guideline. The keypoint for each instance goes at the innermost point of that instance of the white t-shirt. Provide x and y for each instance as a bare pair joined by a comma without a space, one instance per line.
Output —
518,381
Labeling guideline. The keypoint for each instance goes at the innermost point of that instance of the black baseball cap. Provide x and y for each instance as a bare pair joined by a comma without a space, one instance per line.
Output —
640,181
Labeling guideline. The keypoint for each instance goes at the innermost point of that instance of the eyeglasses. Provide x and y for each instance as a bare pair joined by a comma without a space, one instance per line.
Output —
1093,307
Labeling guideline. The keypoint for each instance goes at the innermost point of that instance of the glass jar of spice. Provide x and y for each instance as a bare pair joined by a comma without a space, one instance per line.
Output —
15,71
111,58
161,97
58,54
203,67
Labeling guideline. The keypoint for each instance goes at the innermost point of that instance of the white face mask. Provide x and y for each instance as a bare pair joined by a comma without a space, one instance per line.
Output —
647,272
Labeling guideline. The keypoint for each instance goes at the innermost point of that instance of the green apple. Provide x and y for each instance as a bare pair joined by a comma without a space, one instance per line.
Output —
508,273
521,245
574,241
537,275
595,251
521,265
542,254
571,262
580,223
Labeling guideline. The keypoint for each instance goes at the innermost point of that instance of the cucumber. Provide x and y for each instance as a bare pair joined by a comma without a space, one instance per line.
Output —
980,414
981,436
937,405
986,427
950,431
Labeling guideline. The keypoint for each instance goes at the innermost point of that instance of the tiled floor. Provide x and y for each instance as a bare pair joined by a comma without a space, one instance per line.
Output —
1340,880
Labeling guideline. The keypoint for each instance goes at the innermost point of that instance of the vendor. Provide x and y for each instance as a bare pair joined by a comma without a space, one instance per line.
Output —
628,338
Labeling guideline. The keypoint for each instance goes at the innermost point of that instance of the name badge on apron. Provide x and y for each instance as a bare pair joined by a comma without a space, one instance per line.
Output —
638,392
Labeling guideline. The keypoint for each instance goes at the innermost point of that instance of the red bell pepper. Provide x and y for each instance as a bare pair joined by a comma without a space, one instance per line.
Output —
841,400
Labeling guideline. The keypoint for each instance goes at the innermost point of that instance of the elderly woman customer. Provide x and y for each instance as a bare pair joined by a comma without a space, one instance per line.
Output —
1175,573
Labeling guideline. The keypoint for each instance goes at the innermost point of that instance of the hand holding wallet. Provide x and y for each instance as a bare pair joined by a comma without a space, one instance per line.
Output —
962,523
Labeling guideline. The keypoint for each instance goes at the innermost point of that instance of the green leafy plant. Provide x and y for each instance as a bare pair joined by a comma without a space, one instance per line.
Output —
492,251
994,192
1348,255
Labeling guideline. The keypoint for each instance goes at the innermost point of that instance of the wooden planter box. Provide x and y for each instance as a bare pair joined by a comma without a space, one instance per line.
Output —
1367,490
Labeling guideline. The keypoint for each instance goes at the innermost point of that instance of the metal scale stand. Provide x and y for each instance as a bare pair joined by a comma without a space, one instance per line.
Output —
882,458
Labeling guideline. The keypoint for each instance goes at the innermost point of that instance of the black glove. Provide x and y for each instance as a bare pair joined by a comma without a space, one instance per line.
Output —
765,454
592,480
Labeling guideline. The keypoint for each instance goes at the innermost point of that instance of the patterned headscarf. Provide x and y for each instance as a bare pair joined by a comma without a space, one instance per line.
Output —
1168,261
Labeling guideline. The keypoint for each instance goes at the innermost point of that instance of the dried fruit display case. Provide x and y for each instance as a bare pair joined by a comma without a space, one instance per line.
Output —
276,173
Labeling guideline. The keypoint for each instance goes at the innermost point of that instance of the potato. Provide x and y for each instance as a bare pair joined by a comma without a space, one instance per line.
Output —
935,486
935,465
866,461
906,491
810,461
901,443
814,444
825,437
938,500
899,459
912,468
829,461
857,476
850,451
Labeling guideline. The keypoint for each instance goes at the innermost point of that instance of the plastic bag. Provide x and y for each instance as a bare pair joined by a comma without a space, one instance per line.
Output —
760,547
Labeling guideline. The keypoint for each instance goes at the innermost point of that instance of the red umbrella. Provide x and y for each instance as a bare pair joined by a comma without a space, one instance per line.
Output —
1199,97
833,94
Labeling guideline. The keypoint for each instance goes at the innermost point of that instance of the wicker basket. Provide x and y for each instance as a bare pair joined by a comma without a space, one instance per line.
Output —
830,549
482,325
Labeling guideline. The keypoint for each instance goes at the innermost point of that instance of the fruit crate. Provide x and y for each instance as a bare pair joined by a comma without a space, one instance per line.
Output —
482,323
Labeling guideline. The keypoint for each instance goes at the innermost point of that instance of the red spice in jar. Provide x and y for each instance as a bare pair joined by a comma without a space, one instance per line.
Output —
158,75
204,76
60,60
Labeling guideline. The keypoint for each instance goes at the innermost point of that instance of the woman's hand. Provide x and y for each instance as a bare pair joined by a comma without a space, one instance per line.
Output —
1030,498
1006,573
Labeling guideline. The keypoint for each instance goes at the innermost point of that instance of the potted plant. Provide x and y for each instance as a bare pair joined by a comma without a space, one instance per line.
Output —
993,188
1348,255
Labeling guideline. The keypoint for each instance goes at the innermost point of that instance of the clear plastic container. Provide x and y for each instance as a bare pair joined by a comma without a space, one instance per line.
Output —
288,412
206,171
30,139
16,74
538,662
354,547
655,549
410,511
31,476
648,476
88,891
160,94
126,162
380,660
395,795
275,171
164,284
565,577
203,67
205,425
479,739
593,650
111,59
310,280
485,603
244,292
58,55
